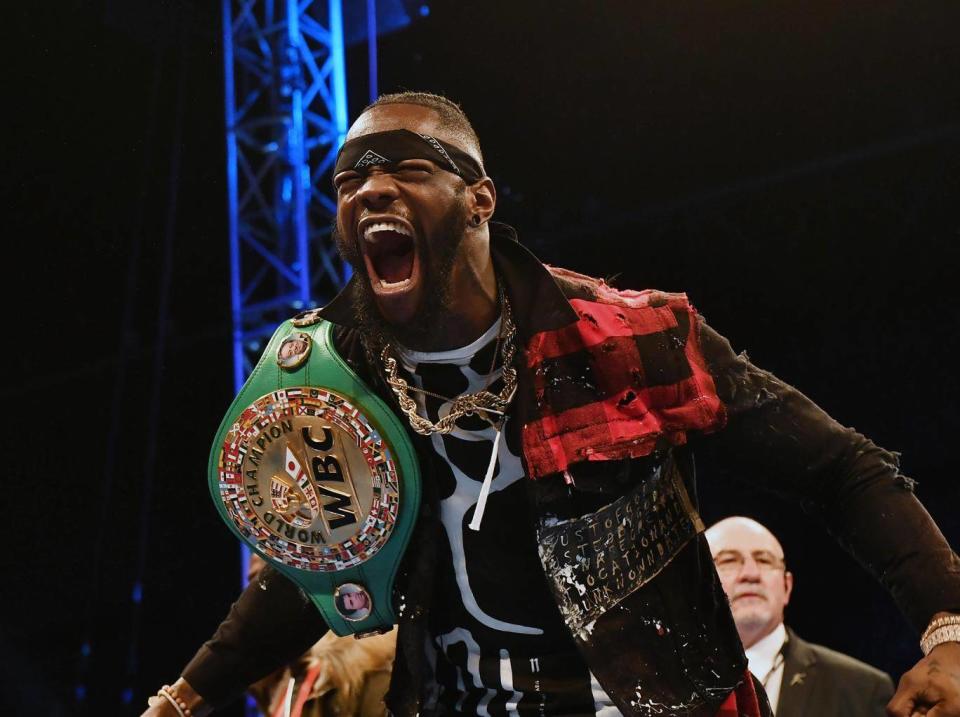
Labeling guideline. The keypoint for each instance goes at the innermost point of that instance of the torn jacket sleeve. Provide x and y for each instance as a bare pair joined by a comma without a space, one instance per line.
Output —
788,444
270,625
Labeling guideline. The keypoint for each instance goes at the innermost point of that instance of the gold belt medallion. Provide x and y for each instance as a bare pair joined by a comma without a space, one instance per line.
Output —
306,476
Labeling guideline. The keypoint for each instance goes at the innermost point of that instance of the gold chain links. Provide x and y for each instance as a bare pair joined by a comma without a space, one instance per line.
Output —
469,403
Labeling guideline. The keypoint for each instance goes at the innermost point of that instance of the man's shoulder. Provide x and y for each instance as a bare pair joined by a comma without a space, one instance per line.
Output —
575,285
840,663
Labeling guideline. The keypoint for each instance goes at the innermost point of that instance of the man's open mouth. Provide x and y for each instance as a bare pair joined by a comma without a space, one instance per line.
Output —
390,254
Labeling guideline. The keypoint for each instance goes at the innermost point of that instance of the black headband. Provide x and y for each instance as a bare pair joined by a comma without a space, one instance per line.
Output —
396,145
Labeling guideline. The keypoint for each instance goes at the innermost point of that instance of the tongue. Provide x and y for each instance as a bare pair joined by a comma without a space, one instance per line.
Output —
393,257
394,267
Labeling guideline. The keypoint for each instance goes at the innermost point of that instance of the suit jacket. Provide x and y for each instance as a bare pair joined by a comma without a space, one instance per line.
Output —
820,682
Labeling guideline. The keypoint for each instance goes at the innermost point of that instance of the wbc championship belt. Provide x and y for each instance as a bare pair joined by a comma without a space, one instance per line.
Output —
319,477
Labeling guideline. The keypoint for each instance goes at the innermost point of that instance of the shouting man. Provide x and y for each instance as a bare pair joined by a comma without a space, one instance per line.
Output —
559,564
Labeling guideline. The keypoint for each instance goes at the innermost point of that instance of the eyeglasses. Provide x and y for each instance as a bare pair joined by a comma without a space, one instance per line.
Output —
730,562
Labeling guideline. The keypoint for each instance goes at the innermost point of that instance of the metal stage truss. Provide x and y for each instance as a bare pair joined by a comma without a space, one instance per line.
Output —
286,116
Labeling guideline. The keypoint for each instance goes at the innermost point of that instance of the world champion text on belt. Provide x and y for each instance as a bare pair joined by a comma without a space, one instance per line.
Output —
305,475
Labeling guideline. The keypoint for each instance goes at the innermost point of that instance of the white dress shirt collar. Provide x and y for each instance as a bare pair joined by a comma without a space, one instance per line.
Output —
761,658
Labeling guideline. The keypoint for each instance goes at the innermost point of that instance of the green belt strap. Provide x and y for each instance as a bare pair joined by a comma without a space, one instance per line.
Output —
318,475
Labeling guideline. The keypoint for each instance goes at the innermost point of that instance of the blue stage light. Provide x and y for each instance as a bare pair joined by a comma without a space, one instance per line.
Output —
424,11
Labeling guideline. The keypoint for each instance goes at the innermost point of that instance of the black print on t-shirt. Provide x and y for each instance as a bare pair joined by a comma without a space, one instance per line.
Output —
500,643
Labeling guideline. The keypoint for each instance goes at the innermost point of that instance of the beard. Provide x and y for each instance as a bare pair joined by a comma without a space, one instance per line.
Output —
750,620
437,255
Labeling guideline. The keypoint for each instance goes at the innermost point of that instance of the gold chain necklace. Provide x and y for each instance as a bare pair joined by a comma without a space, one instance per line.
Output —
481,402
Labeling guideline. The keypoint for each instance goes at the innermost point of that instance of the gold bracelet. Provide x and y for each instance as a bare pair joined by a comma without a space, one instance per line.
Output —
938,623
178,704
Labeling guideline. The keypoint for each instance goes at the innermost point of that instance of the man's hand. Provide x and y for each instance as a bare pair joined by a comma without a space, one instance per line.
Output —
161,707
932,687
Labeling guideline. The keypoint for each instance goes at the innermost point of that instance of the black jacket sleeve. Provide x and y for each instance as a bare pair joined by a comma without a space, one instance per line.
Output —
793,447
270,625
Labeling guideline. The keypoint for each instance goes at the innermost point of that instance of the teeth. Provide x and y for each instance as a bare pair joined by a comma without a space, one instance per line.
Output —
386,227
387,285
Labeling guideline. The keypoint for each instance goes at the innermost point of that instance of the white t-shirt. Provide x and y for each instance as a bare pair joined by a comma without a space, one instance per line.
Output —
498,640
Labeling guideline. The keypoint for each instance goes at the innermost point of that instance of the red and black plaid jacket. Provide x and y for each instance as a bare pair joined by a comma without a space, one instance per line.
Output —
614,384
627,375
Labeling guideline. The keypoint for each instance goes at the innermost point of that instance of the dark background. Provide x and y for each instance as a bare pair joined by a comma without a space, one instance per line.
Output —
793,166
